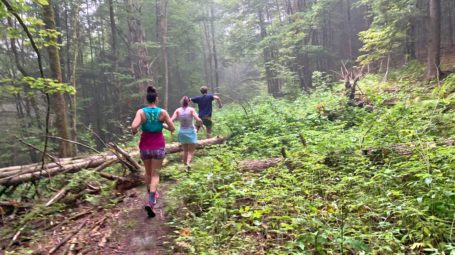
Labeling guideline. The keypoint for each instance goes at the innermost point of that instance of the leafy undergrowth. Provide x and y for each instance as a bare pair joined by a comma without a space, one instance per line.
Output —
371,180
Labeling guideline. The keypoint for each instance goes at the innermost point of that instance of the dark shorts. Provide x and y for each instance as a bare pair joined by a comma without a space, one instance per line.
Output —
153,154
207,121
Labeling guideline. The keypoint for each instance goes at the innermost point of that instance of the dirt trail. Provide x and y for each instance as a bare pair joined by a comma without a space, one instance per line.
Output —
122,229
134,232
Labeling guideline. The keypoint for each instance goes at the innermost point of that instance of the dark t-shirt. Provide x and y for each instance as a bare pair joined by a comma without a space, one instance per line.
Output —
204,103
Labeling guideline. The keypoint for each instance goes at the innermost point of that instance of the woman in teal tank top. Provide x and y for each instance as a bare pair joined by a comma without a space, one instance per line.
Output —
152,122
152,144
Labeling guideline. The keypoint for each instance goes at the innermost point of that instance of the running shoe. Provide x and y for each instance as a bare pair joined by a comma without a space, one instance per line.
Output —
149,209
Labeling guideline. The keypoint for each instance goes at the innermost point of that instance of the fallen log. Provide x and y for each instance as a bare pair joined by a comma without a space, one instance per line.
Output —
127,157
74,217
124,183
20,174
51,251
176,147
403,149
15,204
58,196
92,162
259,165
37,167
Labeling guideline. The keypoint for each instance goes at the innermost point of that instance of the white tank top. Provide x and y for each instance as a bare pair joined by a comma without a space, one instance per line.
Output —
185,118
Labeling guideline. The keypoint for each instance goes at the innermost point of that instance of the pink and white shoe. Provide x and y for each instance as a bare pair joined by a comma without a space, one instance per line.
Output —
152,200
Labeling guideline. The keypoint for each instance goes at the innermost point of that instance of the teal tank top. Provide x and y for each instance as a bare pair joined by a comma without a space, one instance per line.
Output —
152,122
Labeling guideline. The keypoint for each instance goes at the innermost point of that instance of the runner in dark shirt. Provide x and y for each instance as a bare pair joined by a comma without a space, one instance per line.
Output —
204,103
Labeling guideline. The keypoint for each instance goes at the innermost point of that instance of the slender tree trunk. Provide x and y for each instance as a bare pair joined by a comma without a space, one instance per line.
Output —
113,34
206,69
69,31
138,53
114,91
434,42
272,86
349,28
215,56
210,54
59,104
411,39
58,27
162,22
102,37
72,64
89,24
450,15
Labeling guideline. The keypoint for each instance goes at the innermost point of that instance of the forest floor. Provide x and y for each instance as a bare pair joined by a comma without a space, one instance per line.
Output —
123,229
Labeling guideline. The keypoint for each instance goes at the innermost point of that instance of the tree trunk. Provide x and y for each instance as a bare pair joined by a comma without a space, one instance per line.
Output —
450,15
113,34
349,28
272,84
434,42
215,56
210,54
410,40
89,24
162,23
114,91
72,64
59,104
138,53
58,27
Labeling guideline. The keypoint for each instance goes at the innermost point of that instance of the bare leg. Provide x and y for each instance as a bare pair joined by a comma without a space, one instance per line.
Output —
185,153
209,132
148,172
191,149
155,174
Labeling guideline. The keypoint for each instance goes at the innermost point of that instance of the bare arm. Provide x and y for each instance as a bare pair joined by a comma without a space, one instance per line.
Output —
175,115
218,100
138,120
193,112
167,120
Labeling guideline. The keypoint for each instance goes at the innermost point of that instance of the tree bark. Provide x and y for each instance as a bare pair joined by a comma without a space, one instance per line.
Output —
113,34
162,13
138,53
215,56
210,54
73,53
89,24
59,104
349,28
273,86
434,42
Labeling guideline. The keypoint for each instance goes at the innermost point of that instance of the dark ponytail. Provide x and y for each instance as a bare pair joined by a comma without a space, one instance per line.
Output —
151,94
